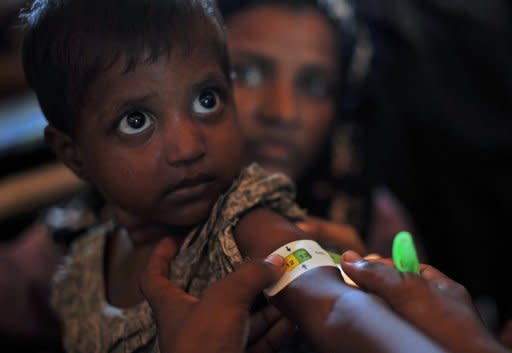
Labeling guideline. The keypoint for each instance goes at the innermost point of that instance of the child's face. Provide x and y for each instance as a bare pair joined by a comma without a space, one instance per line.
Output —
162,142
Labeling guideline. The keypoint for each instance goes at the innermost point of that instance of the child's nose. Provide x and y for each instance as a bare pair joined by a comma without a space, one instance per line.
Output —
185,143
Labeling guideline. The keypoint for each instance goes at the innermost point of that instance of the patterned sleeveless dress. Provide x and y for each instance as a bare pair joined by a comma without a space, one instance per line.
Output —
209,252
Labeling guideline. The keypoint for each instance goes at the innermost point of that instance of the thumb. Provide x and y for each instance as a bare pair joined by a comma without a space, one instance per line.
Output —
250,279
156,287
371,276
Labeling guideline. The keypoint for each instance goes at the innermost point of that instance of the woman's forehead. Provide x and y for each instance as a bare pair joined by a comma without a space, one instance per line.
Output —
285,34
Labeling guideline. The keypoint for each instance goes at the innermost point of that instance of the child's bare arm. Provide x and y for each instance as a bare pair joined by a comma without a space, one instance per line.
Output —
261,232
328,311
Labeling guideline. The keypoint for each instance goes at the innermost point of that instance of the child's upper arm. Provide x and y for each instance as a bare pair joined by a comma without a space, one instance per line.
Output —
262,231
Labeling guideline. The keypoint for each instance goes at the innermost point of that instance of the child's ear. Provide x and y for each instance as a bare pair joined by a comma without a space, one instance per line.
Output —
66,150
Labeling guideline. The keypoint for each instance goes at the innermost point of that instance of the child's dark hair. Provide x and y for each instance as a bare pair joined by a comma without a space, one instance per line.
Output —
68,43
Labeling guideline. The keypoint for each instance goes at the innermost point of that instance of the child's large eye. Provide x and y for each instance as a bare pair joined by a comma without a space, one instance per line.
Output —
207,102
135,122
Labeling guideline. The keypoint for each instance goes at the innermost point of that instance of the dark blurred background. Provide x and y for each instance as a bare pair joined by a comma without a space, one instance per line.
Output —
30,177
436,109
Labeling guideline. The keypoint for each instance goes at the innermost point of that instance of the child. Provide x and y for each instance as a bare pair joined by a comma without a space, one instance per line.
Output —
139,104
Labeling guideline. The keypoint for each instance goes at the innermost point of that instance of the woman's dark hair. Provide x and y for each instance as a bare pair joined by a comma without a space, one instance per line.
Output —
68,43
338,14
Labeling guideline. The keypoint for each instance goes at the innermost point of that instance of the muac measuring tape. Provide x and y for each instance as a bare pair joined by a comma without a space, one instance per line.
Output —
300,256
304,255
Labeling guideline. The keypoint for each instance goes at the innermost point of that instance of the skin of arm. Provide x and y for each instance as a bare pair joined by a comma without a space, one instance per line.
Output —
440,307
181,318
330,313
329,234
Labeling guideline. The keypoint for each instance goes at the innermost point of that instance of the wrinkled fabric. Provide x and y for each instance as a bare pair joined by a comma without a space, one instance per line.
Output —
209,252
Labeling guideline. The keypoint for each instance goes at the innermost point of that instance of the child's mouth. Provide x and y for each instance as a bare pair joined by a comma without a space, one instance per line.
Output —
190,188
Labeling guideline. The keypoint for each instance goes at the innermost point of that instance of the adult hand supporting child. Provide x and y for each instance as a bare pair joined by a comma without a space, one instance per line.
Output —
227,302
438,306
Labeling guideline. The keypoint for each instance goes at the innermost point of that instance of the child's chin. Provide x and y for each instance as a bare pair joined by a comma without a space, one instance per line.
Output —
190,215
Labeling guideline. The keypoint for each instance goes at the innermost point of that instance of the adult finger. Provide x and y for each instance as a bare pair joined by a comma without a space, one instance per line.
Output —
381,278
274,338
262,320
428,272
383,260
444,283
156,287
431,273
371,276
242,286
161,257
269,330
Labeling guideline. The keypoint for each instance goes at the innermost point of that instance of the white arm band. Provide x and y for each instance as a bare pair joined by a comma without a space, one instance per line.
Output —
300,256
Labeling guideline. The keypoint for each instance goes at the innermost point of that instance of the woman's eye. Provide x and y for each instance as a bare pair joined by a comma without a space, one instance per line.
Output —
207,102
135,122
250,76
313,86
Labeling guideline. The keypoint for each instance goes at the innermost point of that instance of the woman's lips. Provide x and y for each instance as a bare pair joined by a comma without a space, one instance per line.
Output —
275,151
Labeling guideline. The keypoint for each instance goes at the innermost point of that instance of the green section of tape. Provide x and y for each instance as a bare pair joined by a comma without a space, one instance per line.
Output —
302,255
335,257
404,253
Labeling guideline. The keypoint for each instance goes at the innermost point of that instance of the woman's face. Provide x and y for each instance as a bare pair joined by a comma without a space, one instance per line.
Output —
285,71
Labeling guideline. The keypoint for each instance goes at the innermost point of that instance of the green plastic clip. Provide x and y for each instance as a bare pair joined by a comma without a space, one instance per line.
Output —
404,253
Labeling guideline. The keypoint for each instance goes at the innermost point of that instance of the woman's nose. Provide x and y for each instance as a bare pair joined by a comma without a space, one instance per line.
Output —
280,106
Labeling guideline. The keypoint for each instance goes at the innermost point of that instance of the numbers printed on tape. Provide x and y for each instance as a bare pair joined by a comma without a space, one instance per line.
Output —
296,258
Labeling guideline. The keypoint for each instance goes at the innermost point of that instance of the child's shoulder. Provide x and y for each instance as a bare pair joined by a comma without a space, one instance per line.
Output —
257,187
253,190
91,244
261,206
254,174
82,269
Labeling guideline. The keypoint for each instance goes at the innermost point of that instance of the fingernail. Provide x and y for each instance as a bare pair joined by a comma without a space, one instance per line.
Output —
350,257
428,274
303,226
373,256
275,260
